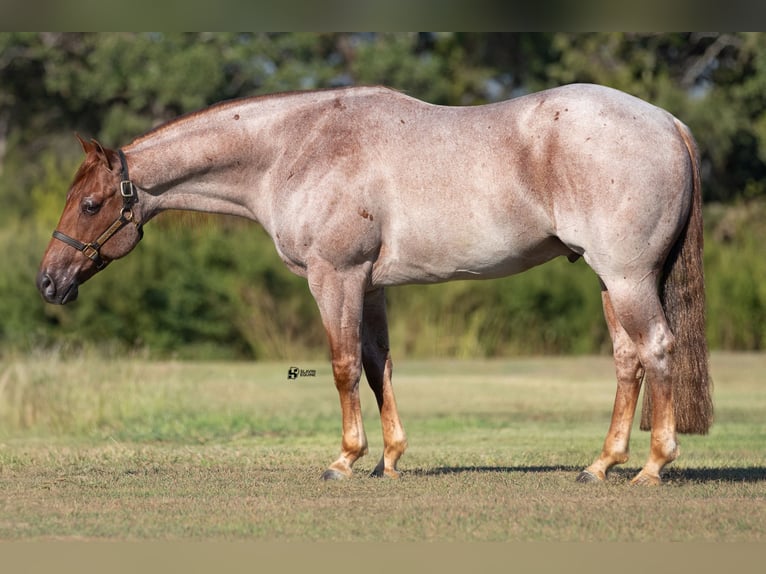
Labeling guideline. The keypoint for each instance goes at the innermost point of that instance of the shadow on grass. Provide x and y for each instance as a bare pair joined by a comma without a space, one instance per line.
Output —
705,474
724,474
443,470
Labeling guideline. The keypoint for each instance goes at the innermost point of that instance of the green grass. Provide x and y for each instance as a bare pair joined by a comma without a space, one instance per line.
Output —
132,450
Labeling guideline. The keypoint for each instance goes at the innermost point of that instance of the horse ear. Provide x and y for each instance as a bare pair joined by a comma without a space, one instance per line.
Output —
102,154
86,146
94,147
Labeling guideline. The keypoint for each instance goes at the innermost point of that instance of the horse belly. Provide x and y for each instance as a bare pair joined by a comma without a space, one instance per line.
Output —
445,260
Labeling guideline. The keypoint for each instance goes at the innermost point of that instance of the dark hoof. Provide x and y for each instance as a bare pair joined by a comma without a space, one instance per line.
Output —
332,474
588,477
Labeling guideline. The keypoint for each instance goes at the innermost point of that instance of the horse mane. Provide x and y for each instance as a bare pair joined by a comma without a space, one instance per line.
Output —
237,102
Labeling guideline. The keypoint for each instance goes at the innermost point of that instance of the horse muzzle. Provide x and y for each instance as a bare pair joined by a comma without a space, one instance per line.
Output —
58,294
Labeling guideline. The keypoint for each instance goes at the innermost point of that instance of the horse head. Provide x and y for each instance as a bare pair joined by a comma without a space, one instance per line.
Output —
97,225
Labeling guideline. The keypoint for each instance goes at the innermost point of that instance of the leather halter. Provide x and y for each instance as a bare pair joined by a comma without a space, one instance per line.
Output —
92,249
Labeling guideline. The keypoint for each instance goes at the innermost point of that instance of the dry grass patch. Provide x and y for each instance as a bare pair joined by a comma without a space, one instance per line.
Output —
231,451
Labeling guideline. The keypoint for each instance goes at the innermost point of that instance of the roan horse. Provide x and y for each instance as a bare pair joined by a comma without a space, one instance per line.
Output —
363,188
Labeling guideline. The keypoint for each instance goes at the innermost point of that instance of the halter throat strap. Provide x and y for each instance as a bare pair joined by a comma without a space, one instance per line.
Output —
127,189
92,249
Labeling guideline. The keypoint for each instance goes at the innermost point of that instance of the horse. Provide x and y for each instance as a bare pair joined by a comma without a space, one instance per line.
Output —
362,188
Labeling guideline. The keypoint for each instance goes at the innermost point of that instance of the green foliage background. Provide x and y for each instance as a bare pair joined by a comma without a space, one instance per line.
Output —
205,287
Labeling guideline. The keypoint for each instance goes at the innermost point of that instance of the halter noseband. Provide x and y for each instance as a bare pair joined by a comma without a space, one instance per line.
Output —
92,249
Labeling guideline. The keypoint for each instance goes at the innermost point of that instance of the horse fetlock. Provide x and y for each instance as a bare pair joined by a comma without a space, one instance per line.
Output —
391,473
650,474
351,453
395,449
620,457
382,470
665,450
598,471
673,453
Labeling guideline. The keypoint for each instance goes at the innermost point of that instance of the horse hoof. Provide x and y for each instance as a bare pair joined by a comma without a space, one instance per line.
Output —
385,474
332,474
588,477
642,479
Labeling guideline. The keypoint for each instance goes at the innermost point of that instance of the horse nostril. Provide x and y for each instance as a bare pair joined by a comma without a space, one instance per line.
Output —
46,286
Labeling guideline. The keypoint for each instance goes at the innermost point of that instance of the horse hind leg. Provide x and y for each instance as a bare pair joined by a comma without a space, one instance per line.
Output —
630,374
638,309
376,359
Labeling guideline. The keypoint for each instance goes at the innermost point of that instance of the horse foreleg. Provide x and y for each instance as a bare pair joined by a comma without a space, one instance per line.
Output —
376,359
629,376
339,297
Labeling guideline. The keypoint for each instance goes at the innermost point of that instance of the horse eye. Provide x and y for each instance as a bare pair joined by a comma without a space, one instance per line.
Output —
90,206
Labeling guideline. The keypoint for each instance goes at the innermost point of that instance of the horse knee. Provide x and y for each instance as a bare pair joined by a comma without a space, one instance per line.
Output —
347,370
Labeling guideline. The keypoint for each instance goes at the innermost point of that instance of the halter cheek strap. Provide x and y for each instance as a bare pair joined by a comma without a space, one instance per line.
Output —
92,249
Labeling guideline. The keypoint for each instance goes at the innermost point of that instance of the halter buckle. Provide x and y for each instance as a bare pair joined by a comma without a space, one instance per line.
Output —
90,251
126,188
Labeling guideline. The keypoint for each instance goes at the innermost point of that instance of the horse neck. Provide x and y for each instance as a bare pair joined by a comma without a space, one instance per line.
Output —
233,158
212,161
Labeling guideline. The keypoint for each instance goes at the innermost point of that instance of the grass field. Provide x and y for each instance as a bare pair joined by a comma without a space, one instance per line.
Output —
127,450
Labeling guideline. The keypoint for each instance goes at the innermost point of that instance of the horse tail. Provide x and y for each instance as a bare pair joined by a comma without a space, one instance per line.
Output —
682,292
